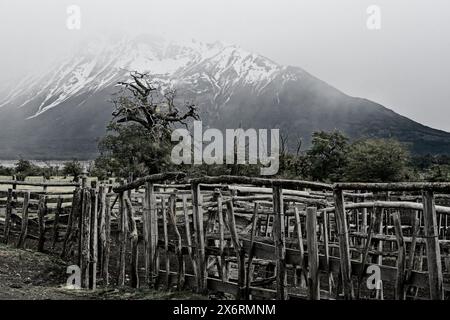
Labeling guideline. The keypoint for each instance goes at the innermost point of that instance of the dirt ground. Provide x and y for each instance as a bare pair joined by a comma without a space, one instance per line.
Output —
26,274
30,275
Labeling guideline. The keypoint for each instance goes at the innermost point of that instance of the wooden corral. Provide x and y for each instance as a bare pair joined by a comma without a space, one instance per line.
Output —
251,238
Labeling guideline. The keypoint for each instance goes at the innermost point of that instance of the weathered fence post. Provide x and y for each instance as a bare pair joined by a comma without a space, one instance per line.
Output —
280,242
240,253
412,251
252,251
14,187
187,224
107,245
179,248
365,253
327,251
8,215
152,233
380,212
134,244
432,245
301,248
223,270
24,227
84,180
42,211
401,260
364,220
146,235
313,254
56,222
122,239
93,240
198,214
344,247
166,242
85,234
72,223
101,228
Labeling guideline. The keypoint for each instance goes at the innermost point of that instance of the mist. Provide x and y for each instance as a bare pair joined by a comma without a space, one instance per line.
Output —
404,65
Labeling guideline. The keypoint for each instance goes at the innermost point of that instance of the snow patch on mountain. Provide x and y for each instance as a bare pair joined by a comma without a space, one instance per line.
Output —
101,64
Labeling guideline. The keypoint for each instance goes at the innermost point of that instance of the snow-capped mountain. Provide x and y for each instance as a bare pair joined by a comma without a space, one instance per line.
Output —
101,64
61,114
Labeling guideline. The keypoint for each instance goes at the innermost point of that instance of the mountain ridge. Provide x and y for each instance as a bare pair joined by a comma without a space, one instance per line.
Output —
63,113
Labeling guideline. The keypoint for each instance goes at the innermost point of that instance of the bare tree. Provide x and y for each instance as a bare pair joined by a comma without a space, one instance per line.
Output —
138,139
156,110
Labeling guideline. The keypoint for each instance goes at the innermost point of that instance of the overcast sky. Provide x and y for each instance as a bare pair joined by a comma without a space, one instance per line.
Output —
405,65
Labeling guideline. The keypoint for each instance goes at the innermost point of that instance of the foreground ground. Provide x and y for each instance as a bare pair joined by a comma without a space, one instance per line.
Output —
26,274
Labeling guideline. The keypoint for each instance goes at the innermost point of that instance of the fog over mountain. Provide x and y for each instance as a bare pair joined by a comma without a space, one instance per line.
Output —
61,114
403,66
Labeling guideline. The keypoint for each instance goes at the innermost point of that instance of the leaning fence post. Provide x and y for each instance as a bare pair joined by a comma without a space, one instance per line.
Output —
280,245
432,245
344,247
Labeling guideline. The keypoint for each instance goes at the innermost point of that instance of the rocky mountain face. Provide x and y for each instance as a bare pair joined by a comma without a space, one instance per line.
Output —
62,114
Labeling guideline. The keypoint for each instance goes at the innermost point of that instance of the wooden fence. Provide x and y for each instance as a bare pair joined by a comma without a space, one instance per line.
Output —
30,205
252,238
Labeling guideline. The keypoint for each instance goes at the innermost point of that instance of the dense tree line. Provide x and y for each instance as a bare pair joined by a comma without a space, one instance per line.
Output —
333,158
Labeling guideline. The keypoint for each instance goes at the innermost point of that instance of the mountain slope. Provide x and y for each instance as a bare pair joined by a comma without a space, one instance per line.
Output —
62,114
